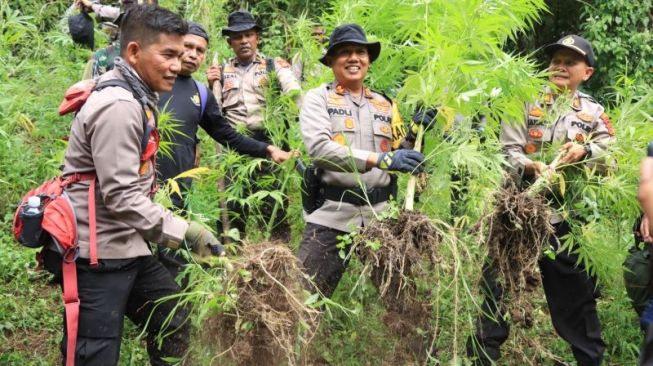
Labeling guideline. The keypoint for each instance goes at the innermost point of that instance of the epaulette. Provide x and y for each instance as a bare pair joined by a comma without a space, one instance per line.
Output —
383,95
587,96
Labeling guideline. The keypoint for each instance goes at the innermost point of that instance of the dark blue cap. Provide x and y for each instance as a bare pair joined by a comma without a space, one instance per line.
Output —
197,30
574,43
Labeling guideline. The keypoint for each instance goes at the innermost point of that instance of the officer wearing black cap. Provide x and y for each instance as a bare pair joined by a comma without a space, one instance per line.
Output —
353,136
192,105
581,132
240,86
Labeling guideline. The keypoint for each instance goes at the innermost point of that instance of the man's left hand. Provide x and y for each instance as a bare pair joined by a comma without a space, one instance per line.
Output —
279,156
573,152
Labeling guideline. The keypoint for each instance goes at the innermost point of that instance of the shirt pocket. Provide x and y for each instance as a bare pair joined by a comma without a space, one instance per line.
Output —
343,130
578,131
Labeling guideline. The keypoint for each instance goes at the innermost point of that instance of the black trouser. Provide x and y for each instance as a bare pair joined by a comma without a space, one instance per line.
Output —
319,255
571,295
174,262
119,287
239,214
646,353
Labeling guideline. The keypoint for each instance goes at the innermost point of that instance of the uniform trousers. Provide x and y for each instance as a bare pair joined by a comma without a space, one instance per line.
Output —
119,287
319,255
571,297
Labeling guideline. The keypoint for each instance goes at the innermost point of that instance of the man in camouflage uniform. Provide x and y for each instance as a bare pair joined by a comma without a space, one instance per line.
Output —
350,133
240,90
583,132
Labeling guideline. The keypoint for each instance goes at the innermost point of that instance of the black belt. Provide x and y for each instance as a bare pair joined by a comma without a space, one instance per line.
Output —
357,196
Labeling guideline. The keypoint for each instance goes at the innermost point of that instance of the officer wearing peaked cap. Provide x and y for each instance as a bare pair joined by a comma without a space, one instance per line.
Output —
583,130
240,86
353,136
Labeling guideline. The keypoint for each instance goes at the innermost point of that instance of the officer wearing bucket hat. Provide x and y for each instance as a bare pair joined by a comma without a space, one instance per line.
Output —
582,134
240,88
353,136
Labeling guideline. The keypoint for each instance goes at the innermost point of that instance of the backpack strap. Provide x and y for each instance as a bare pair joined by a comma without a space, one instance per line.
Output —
204,94
147,129
69,266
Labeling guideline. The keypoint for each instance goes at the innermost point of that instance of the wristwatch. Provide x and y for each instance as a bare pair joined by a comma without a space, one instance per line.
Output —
649,150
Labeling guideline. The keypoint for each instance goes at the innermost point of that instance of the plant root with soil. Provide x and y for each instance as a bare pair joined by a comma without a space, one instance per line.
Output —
269,318
400,252
518,232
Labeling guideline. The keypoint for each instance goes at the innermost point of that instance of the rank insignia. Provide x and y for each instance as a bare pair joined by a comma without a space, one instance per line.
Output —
584,117
608,124
349,124
575,103
536,112
530,148
535,133
385,146
340,139
367,92
548,98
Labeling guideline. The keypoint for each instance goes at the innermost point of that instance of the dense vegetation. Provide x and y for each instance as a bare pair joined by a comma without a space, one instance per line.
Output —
469,56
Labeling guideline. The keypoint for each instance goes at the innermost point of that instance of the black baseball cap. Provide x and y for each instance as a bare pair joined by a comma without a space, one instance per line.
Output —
574,43
350,33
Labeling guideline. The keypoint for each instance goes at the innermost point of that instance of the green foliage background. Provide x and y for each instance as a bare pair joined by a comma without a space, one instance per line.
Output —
470,56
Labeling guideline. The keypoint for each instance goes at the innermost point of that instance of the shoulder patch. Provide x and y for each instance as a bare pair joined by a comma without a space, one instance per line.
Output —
281,63
608,124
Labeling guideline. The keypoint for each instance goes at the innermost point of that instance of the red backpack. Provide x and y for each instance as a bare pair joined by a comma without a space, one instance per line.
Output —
58,224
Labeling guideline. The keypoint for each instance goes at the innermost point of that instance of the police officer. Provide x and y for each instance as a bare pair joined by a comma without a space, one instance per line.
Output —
350,134
116,273
240,89
584,131
187,105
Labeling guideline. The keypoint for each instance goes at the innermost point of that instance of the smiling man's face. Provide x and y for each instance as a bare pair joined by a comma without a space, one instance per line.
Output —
350,63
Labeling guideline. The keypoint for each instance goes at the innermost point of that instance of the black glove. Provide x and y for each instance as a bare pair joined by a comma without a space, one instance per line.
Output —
202,242
423,117
402,161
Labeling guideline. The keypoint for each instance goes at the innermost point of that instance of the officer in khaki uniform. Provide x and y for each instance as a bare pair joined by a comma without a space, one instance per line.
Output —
240,86
350,133
584,132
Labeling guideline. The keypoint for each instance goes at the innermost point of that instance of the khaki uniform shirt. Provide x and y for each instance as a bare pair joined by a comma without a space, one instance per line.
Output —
242,95
105,138
339,133
586,123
